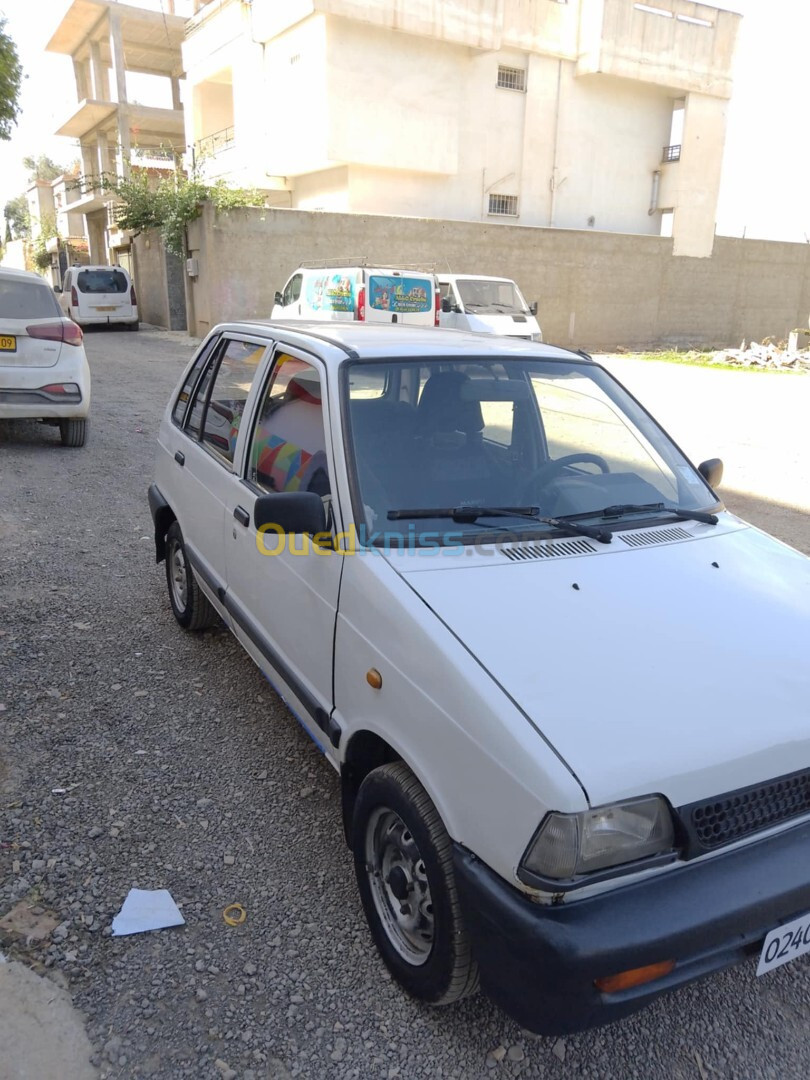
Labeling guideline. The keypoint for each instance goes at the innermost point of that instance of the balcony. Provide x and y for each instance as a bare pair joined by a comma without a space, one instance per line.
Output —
676,44
209,145
671,153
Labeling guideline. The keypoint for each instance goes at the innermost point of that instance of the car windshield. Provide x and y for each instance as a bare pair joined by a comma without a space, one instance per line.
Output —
21,299
556,438
102,281
484,296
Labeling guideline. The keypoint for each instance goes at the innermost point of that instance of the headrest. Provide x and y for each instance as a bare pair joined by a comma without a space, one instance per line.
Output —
442,405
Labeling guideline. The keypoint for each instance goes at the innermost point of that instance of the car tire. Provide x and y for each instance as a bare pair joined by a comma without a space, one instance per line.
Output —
397,832
74,431
191,607
135,326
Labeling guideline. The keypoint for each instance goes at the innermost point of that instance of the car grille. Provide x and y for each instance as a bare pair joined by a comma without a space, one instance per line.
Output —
738,814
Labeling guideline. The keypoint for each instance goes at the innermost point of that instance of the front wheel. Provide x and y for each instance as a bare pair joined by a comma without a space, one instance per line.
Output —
404,866
191,608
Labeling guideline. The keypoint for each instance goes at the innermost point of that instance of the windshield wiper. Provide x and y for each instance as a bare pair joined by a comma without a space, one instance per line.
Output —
468,515
622,509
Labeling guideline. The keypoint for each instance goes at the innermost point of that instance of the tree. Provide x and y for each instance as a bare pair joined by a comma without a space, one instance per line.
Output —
11,75
16,214
42,168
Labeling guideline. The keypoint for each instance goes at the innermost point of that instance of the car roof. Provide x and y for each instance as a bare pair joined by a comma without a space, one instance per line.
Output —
98,266
25,275
401,342
473,277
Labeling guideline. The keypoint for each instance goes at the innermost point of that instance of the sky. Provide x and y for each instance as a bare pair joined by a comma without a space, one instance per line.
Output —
764,190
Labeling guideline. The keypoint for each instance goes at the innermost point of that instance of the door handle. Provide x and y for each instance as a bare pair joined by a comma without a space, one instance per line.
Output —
179,457
242,516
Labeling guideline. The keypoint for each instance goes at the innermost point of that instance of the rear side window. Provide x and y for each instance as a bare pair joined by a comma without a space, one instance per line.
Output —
102,281
21,299
179,411
229,394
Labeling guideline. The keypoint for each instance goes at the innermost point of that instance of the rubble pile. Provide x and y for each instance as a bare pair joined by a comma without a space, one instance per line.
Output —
768,355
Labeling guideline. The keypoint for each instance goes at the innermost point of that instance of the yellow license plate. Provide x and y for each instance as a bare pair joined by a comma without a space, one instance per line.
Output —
8,343
112,308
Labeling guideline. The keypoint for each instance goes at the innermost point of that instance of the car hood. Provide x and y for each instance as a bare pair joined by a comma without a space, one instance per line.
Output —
504,324
680,669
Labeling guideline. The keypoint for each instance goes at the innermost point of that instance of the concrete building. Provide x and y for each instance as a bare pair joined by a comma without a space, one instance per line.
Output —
107,40
602,114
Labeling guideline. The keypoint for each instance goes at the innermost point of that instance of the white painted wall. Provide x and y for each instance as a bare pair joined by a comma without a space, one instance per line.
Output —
390,107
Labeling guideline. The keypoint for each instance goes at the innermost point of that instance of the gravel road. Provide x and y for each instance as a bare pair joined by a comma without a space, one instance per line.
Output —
180,769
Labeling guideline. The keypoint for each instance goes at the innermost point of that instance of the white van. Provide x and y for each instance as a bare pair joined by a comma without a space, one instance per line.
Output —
97,295
361,294
487,305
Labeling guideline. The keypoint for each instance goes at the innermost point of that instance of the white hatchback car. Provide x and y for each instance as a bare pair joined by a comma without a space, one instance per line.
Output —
566,692
44,373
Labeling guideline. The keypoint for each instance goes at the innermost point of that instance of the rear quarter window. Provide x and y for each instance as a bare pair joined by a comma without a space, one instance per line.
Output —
102,281
27,300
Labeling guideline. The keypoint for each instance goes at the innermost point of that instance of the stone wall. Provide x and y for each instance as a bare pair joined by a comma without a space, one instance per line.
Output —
595,290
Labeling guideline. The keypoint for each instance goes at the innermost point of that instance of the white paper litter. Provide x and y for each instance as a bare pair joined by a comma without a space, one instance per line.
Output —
146,909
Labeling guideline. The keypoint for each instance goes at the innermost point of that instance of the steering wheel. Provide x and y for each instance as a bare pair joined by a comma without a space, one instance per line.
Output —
547,472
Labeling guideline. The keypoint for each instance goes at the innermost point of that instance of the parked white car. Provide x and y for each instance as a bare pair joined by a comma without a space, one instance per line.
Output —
44,373
487,305
98,296
566,692
360,294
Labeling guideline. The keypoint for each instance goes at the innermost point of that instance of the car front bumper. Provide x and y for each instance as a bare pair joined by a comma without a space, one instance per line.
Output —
539,962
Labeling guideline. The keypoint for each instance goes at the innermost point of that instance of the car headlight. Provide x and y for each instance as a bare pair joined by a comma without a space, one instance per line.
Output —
538,336
569,845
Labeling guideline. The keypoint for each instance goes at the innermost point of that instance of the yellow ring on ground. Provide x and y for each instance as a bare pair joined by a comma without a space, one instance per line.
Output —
238,918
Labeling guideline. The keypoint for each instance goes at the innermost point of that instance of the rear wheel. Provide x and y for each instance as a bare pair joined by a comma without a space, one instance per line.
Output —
404,867
191,608
134,326
73,431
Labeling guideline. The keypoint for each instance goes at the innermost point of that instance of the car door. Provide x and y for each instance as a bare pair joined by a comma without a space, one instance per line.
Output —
282,590
205,449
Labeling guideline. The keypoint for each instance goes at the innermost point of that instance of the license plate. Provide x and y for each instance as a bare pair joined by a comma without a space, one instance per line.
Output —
112,308
8,343
785,943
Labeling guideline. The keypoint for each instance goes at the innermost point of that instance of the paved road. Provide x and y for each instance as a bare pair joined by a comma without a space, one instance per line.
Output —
183,770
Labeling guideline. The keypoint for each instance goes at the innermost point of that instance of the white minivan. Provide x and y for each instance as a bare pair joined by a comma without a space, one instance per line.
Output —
361,294
566,692
98,295
487,305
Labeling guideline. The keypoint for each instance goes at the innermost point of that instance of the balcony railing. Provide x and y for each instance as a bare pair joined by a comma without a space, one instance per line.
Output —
156,153
672,153
212,144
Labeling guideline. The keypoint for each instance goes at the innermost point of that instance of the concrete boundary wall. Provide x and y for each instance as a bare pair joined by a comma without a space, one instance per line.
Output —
595,290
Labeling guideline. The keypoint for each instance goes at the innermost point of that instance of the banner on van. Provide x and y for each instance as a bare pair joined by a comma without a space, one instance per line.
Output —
331,292
401,294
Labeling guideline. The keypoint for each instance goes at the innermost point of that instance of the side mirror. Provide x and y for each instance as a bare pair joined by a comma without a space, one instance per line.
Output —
293,512
446,305
533,308
712,471
279,299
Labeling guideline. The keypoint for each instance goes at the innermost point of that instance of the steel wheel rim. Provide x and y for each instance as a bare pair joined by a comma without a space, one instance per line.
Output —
178,576
399,886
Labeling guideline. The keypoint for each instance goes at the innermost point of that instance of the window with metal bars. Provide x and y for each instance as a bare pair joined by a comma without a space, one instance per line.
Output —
511,78
503,204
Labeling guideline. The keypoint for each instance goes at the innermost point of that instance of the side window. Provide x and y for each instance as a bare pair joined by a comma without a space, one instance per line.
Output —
288,450
292,290
179,411
229,393
447,292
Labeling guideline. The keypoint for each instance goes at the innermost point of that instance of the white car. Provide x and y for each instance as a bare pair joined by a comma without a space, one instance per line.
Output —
99,296
371,294
44,373
487,305
566,692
